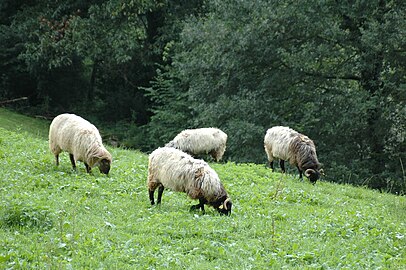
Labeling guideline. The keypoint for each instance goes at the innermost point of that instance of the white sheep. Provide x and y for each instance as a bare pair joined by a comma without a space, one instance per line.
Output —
201,141
171,168
81,139
287,144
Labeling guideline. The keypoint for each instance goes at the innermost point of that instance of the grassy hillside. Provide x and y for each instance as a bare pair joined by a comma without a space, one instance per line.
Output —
20,123
54,218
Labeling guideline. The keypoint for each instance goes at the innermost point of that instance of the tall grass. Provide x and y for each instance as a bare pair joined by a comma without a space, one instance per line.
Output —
54,218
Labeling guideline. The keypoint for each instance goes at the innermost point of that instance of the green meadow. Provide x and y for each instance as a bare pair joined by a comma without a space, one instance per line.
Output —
55,218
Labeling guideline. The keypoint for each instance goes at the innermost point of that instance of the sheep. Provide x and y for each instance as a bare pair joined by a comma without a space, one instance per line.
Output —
201,141
81,139
287,144
174,169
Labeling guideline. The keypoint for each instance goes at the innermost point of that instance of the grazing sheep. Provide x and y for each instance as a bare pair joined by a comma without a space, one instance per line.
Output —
171,168
286,144
201,141
81,139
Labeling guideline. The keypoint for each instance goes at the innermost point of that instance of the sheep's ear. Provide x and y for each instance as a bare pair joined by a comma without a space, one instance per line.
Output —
221,206
229,205
321,171
104,161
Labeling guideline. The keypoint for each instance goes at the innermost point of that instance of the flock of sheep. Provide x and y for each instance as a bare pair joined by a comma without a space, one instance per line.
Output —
173,166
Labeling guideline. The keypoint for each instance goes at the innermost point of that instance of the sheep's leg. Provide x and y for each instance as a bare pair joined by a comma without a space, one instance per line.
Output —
57,159
268,151
214,154
151,189
151,196
72,160
300,173
160,191
88,169
282,164
200,205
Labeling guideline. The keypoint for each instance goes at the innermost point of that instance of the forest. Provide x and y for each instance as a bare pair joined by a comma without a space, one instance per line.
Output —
144,70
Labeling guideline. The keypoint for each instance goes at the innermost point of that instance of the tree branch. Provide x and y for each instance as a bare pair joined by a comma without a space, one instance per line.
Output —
13,100
334,77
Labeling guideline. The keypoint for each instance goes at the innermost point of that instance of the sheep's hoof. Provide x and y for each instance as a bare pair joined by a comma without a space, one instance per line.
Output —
195,207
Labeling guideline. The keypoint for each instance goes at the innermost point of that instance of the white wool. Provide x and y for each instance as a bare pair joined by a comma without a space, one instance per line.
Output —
180,172
77,136
201,141
277,141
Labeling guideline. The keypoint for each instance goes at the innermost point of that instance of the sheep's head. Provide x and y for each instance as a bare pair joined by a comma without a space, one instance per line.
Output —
225,207
104,166
98,156
171,144
313,175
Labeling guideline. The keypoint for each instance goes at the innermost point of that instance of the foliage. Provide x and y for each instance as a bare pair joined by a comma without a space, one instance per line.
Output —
53,217
320,67
170,111
74,57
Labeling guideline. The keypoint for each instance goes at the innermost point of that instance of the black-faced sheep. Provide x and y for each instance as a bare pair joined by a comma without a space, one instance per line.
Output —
171,168
81,139
201,141
286,144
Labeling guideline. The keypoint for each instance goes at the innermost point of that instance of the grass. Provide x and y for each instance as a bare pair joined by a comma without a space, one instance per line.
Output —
54,218
20,123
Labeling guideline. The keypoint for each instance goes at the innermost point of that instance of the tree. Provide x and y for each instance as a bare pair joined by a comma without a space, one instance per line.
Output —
329,69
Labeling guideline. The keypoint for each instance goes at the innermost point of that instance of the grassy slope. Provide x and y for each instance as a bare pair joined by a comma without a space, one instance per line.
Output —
21,123
52,217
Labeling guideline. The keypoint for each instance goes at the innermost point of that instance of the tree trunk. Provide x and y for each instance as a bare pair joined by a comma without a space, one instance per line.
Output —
371,82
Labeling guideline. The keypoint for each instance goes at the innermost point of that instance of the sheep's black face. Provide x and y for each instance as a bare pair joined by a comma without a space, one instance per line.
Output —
314,176
104,166
225,208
